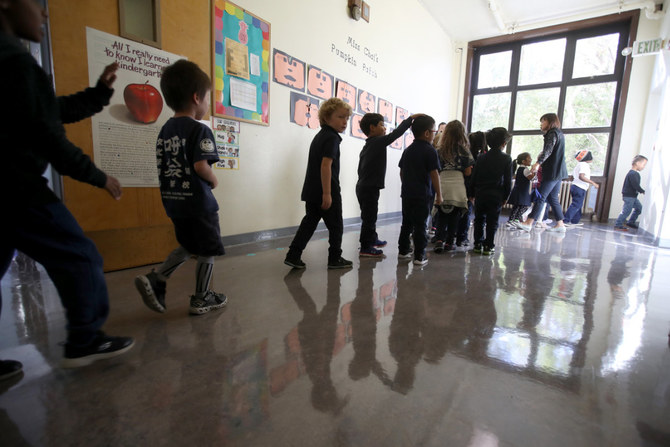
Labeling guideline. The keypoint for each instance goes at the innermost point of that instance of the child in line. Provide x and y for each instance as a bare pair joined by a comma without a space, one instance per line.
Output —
581,180
371,175
521,193
185,151
630,190
455,164
491,184
419,167
36,222
321,189
477,147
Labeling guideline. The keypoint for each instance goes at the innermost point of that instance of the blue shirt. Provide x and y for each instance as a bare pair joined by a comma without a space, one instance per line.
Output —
416,164
181,143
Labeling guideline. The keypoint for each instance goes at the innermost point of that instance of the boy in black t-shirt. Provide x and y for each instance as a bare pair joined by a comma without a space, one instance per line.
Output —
321,190
419,173
371,174
630,190
185,151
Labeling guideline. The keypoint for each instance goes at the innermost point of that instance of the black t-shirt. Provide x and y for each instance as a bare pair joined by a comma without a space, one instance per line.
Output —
326,143
416,163
181,143
372,163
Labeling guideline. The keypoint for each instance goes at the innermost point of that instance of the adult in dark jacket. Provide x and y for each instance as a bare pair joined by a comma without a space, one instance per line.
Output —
552,160
36,222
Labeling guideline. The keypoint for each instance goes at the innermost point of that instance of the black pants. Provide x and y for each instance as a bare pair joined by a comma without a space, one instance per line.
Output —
447,225
464,225
368,199
487,211
50,235
414,216
332,217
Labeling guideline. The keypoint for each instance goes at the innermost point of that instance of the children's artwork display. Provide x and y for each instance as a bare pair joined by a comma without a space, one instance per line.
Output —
385,109
356,127
398,143
319,83
409,138
227,140
400,115
366,102
346,92
304,110
241,64
288,70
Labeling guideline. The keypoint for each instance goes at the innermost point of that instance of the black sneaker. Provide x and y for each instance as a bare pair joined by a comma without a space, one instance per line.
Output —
9,368
152,290
405,254
210,301
102,347
371,253
423,260
488,251
340,264
477,248
463,243
380,244
439,247
632,225
296,263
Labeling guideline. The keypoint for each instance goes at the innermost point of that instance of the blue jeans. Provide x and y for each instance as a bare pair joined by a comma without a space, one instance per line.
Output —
629,204
574,212
548,190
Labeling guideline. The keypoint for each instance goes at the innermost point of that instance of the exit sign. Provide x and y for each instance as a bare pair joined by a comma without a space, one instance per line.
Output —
648,47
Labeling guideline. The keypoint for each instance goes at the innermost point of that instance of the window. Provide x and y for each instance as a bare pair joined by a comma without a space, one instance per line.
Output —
576,74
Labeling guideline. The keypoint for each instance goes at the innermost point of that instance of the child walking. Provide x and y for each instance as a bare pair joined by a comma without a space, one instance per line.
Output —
581,181
521,193
491,184
185,151
371,174
630,190
419,167
321,189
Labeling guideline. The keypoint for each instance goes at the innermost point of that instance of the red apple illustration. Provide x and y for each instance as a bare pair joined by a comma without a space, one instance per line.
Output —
144,102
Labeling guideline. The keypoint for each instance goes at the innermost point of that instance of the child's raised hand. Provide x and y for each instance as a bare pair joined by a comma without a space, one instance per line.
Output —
108,75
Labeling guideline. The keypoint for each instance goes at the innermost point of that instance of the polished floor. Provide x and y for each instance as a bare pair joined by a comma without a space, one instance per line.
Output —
556,340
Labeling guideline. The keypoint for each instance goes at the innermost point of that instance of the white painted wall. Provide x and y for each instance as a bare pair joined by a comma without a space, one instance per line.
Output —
412,73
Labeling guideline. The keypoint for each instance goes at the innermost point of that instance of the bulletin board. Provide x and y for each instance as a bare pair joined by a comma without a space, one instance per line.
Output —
240,64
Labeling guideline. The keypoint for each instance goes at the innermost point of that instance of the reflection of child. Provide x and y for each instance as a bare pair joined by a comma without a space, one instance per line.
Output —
630,190
520,196
321,189
185,151
371,174
580,184
36,222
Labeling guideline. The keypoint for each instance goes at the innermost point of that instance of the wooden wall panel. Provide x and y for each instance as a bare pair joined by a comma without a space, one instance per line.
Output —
135,230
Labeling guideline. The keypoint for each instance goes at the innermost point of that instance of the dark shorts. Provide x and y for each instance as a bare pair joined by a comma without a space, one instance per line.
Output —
200,235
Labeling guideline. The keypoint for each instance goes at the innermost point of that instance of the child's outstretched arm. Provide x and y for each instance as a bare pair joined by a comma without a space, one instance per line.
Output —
205,172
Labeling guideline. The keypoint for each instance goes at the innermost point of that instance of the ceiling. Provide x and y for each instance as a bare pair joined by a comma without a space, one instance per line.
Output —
467,20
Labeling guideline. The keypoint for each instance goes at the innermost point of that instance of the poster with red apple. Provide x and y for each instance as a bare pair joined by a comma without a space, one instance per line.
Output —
125,132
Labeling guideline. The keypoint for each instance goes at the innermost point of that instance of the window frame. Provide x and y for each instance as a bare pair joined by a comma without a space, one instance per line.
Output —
625,24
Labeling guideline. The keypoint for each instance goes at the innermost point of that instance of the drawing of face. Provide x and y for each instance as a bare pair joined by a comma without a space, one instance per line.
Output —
366,102
356,127
319,83
397,144
346,92
400,115
386,110
409,139
306,114
289,71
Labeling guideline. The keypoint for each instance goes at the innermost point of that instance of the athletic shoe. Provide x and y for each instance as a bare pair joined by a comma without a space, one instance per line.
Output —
463,243
371,253
340,263
380,244
102,347
477,248
557,229
449,247
152,290
547,221
211,301
632,225
439,247
620,228
523,227
421,261
488,251
9,368
296,263
405,254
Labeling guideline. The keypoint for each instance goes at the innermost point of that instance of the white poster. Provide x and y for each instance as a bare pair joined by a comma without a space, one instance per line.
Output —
124,133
